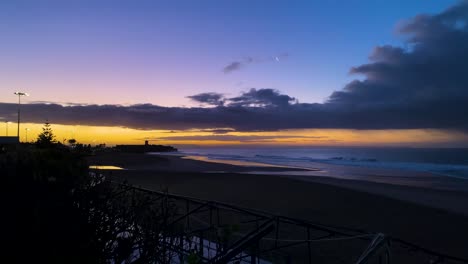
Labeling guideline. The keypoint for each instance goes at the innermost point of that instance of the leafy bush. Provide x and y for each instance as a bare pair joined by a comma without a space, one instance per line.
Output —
59,212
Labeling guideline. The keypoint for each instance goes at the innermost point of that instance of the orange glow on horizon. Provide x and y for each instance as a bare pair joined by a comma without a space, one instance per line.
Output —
306,137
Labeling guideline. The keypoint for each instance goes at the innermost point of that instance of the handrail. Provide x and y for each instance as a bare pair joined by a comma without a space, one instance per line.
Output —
378,241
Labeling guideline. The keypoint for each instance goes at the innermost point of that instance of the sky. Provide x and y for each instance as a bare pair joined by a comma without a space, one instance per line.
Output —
237,72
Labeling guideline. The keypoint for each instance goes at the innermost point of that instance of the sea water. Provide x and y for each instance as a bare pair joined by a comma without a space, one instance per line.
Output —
441,161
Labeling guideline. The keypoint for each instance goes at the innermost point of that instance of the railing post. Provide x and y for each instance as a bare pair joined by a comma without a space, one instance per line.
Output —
181,248
187,207
308,246
375,245
277,231
252,258
200,246
211,216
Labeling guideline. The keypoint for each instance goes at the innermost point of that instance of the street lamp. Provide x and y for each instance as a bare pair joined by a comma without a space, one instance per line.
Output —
19,94
27,129
6,127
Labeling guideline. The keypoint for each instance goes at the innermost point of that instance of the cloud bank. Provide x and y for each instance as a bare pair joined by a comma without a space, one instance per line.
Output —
423,86
244,139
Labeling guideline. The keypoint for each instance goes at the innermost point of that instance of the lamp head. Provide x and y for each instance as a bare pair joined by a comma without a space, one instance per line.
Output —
21,94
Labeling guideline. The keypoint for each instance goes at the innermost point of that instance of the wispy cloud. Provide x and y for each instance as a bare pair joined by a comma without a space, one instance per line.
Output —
215,99
233,66
239,64
243,138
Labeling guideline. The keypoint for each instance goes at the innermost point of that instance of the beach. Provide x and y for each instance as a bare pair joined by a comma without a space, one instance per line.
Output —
436,218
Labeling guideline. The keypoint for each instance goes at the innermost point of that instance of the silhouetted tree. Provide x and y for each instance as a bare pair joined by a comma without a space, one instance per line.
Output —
47,137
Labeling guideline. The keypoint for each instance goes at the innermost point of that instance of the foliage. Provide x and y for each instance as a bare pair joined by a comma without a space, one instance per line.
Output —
44,221
62,213
47,137
193,258
129,221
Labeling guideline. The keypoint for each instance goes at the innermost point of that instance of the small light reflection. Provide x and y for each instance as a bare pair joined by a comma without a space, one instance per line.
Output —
105,167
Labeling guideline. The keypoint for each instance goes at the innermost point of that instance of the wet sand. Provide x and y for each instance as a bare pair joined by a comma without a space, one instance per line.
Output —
431,217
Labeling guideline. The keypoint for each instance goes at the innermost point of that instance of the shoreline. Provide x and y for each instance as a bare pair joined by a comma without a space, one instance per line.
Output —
436,161
432,218
243,163
425,189
394,177
397,177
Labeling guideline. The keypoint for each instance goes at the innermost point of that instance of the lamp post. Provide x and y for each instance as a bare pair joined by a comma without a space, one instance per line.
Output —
6,127
27,129
19,94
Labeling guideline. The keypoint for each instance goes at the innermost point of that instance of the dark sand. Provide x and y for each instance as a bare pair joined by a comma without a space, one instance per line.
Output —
436,219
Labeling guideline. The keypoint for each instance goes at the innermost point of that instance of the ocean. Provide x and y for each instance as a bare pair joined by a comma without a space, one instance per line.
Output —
449,162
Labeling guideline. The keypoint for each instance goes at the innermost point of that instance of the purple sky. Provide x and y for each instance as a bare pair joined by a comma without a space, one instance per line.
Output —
240,67
159,52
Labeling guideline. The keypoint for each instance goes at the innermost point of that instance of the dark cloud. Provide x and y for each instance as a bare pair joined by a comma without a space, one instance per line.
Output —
422,86
261,98
253,98
215,99
218,131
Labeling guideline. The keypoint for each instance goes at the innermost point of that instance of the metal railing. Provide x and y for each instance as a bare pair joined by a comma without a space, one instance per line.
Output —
218,232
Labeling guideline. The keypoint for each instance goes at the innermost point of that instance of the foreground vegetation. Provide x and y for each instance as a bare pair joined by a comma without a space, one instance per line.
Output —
57,211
